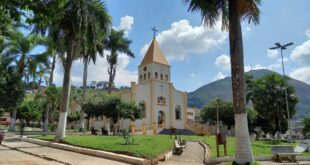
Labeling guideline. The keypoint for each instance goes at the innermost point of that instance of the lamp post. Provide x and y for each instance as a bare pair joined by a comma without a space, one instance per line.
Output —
283,47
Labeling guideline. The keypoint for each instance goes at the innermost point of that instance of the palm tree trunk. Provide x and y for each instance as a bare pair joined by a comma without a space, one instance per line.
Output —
243,147
82,115
66,89
45,128
110,71
52,71
13,120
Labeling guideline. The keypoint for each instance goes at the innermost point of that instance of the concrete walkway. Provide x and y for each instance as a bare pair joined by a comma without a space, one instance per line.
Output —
193,154
61,156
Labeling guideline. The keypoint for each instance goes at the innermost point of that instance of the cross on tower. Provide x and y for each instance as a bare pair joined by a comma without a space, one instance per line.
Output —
154,31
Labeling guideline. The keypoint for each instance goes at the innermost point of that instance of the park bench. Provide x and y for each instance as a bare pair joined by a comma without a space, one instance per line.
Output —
178,148
283,152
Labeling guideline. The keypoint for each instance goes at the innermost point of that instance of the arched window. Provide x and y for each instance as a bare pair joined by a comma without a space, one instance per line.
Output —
143,106
149,75
166,77
156,75
161,100
178,112
145,68
144,76
161,76
140,77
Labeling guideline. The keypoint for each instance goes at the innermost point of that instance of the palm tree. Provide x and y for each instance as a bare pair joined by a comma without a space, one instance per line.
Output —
78,21
20,46
231,12
91,47
116,43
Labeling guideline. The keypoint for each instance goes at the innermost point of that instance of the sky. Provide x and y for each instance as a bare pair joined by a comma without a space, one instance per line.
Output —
197,54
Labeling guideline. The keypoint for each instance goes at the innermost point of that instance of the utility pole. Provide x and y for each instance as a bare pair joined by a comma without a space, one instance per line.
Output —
283,47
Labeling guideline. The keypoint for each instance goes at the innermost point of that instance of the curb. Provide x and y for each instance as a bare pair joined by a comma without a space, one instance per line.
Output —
256,158
92,152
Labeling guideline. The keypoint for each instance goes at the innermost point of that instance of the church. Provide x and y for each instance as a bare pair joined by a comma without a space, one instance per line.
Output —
164,106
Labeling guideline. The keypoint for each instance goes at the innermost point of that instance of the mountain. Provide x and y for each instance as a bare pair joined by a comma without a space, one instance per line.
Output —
222,89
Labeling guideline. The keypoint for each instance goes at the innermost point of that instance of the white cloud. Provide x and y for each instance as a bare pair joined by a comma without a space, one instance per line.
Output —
275,66
193,75
255,67
302,74
98,72
307,32
272,53
302,53
218,76
285,59
126,24
183,39
223,61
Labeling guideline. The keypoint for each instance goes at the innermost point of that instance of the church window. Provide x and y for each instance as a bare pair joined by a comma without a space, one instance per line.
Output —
144,69
144,76
161,100
178,112
149,75
156,75
140,77
143,106
166,77
161,76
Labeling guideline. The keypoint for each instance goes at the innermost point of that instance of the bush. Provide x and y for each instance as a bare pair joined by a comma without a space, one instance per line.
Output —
128,137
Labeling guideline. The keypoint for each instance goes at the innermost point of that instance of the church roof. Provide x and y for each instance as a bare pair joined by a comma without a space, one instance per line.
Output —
154,54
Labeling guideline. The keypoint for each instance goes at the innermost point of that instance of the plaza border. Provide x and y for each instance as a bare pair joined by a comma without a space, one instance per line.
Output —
97,153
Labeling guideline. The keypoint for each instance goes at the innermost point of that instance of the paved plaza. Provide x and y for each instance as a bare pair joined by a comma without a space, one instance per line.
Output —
16,152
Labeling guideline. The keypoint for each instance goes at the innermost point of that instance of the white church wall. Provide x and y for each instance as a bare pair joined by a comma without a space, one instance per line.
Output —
143,94
161,89
179,100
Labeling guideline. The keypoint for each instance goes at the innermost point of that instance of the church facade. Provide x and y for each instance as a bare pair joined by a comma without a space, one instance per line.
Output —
164,106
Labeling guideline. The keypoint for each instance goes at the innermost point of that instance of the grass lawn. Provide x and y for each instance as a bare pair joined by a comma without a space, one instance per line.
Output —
146,146
259,148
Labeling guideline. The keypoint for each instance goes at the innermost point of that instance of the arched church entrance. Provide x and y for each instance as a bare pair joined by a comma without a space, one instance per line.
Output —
161,117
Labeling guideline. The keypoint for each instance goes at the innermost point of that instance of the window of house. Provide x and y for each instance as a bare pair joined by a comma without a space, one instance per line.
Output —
140,77
156,75
178,112
144,76
166,77
145,68
161,100
161,76
149,75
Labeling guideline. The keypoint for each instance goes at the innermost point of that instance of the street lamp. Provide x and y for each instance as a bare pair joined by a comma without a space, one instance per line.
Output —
283,47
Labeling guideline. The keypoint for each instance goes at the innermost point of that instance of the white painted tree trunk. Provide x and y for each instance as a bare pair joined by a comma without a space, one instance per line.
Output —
46,120
243,145
82,121
61,129
13,120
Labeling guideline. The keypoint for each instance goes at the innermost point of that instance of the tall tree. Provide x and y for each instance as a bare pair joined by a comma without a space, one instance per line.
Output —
269,101
91,46
20,46
230,12
116,43
12,89
75,21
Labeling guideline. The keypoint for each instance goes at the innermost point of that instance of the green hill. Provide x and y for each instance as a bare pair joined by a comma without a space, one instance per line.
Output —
222,89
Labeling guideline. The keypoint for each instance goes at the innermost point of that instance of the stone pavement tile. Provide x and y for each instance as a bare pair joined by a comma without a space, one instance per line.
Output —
61,155
14,157
193,154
